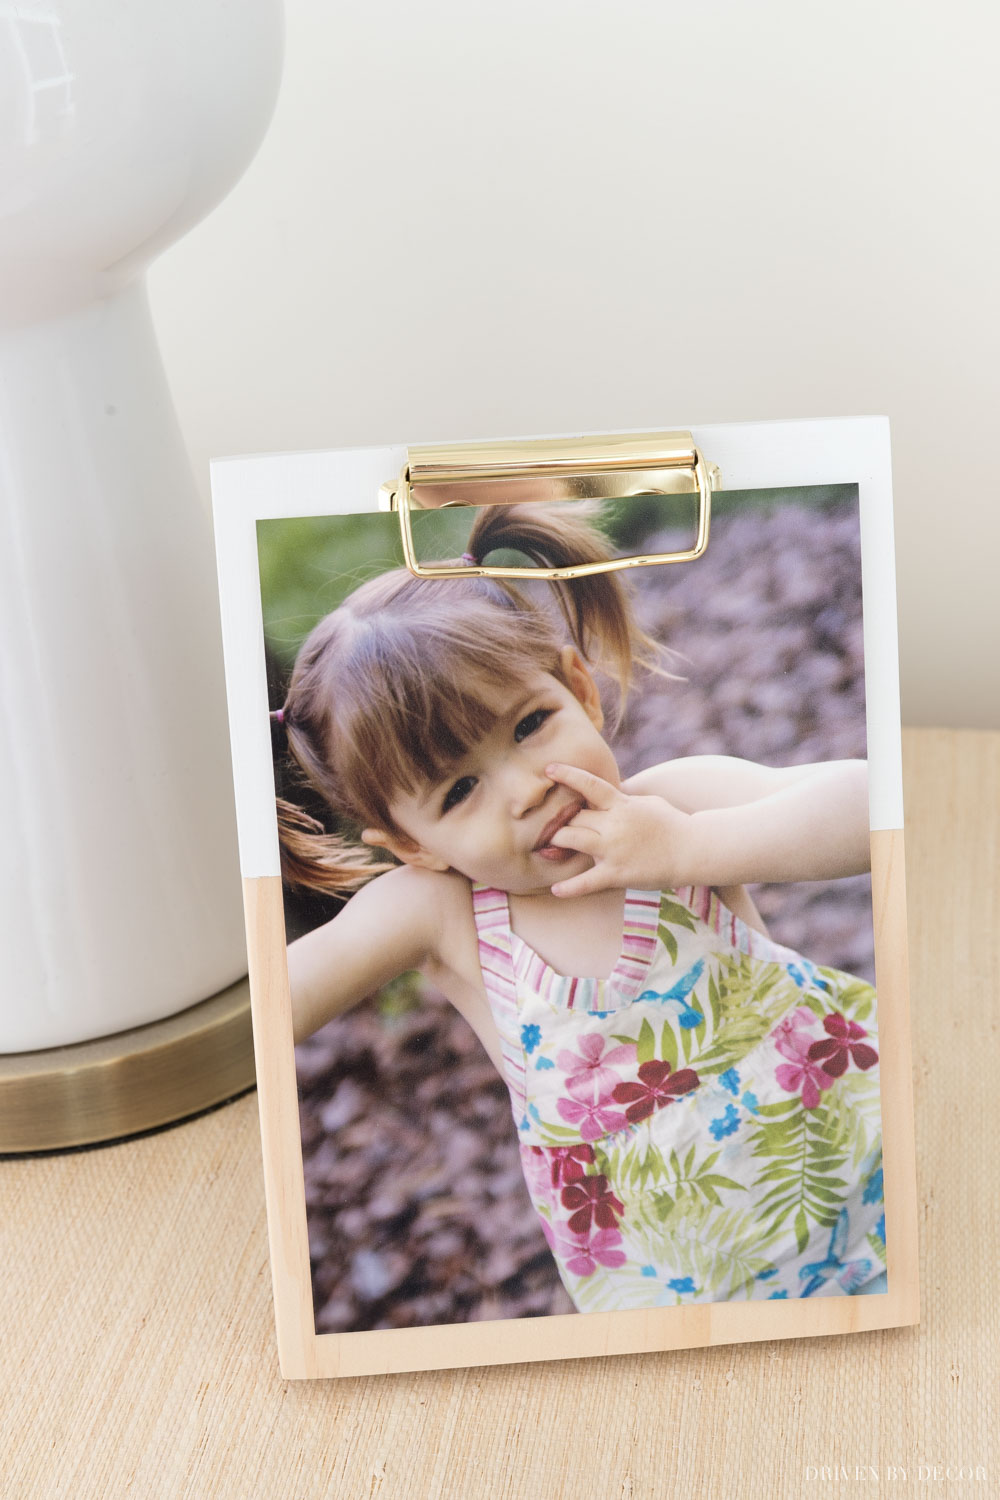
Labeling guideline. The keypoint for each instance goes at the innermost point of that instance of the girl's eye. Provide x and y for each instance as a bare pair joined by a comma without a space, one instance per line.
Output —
530,723
458,793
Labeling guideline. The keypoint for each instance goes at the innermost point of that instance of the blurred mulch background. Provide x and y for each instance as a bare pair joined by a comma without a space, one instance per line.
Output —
417,1210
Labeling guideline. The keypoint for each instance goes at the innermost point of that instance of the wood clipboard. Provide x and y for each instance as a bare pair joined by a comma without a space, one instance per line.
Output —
750,456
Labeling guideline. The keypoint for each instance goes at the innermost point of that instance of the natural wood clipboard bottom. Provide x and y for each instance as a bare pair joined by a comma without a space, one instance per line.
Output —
131,1082
303,1353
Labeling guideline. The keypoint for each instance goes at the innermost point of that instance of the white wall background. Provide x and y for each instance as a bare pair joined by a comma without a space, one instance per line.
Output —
480,219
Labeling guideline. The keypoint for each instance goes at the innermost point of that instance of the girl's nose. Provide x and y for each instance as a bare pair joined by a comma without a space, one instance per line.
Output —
526,789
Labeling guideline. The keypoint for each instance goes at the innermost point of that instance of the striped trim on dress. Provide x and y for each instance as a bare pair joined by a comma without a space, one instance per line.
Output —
492,917
508,964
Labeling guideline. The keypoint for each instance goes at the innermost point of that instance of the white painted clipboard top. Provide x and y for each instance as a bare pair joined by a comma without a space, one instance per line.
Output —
751,455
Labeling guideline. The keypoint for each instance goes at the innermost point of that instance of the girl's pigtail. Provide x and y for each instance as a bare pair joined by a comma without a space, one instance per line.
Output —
597,609
311,858
315,860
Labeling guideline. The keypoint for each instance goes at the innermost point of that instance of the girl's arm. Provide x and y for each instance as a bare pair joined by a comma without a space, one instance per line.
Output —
384,930
716,820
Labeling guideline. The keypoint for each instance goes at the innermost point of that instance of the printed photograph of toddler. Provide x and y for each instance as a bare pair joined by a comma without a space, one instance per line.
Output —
578,911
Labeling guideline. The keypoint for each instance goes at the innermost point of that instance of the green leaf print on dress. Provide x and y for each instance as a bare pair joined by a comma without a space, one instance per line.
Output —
802,1175
672,913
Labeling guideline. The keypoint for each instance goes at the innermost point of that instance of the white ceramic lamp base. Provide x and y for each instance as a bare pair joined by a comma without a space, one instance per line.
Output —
118,868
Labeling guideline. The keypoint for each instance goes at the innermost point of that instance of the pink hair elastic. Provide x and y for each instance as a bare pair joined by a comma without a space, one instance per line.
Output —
279,714
469,560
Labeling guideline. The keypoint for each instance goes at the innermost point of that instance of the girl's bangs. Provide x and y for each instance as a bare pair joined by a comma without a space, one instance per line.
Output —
412,720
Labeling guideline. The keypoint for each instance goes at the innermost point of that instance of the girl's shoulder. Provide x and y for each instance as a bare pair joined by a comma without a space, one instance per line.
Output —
428,899
435,908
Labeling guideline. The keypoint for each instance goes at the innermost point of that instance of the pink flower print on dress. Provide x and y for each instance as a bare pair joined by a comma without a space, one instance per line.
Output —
581,1255
791,1035
802,1074
600,1250
590,1074
805,1076
537,1171
590,1198
841,1045
657,1086
592,1120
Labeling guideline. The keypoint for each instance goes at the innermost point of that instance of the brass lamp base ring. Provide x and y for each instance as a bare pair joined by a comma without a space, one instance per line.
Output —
131,1082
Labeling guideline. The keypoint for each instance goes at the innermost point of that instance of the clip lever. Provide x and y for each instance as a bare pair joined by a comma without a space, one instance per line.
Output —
589,468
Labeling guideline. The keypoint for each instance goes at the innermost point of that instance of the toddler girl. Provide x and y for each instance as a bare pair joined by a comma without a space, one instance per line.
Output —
697,1106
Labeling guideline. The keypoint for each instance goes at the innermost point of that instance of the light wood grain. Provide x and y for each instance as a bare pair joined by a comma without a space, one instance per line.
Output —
138,1338
281,1139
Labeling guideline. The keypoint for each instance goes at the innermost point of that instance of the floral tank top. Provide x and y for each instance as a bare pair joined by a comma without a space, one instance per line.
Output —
702,1125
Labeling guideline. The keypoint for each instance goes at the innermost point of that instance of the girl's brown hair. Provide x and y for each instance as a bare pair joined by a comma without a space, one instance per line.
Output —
393,688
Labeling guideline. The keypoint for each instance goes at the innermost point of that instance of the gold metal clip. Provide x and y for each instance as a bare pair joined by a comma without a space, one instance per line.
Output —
586,468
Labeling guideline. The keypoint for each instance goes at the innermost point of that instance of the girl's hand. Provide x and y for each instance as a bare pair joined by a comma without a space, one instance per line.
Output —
637,841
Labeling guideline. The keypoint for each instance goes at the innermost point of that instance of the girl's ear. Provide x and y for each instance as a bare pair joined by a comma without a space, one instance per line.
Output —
404,849
579,679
